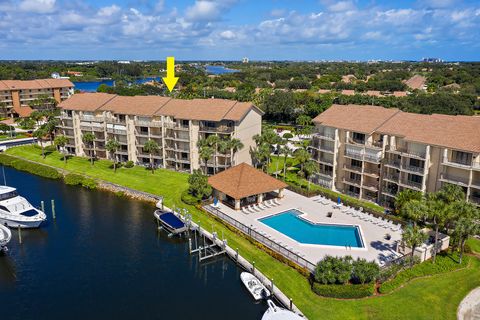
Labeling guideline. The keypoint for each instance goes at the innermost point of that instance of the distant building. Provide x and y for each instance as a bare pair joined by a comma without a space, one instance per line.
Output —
18,95
432,60
373,153
123,61
245,60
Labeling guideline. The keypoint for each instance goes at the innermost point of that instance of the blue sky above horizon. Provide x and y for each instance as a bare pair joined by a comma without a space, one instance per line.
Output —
232,29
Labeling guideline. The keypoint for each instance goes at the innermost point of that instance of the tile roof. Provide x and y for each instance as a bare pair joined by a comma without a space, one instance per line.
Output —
23,112
139,105
416,82
400,93
196,109
243,181
374,93
348,92
359,118
455,132
34,84
86,101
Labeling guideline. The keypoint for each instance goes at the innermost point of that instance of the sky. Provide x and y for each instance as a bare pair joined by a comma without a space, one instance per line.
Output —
233,29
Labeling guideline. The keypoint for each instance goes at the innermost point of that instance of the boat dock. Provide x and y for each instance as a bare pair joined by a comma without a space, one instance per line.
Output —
208,245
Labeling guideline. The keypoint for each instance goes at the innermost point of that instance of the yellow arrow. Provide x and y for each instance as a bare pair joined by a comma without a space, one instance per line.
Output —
170,80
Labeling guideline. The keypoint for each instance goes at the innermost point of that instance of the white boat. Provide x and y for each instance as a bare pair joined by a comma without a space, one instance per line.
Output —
276,313
254,286
16,211
5,236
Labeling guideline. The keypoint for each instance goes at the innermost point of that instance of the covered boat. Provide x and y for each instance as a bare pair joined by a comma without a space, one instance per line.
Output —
17,212
170,221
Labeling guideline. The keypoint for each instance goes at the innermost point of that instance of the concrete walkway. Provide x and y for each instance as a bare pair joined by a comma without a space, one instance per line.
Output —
469,308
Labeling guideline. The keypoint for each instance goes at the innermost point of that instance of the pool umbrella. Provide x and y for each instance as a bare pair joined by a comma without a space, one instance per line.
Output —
339,200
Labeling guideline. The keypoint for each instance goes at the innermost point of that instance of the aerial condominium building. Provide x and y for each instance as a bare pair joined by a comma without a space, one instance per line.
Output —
176,125
17,96
373,153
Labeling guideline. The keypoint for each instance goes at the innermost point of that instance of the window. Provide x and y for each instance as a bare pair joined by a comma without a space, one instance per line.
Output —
415,178
354,176
461,157
416,163
185,123
358,137
8,195
4,208
356,163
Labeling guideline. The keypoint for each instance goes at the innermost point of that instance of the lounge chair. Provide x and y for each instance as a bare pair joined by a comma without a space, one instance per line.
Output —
277,202
261,206
250,209
244,210
256,208
325,202
346,209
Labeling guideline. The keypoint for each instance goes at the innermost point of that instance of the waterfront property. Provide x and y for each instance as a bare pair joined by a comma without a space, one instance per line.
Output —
175,125
243,186
18,95
302,229
373,153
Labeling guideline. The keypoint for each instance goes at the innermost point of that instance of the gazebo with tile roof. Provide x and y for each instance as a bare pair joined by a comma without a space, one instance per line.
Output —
244,185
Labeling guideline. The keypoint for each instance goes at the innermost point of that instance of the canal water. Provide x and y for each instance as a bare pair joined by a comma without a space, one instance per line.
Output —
103,258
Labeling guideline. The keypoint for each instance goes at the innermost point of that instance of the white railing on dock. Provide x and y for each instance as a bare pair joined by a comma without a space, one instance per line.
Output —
285,252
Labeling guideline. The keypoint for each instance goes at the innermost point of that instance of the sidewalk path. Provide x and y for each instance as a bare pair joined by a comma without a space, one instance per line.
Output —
469,308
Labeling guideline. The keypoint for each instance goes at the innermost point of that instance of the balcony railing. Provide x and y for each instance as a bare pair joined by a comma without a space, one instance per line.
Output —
354,155
92,118
411,183
372,158
325,135
391,177
172,125
323,181
413,169
454,179
370,186
352,168
141,123
221,128
461,164
352,181
352,194
408,152
391,163
116,131
115,121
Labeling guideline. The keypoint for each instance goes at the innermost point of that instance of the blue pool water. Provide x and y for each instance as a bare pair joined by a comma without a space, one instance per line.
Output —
290,224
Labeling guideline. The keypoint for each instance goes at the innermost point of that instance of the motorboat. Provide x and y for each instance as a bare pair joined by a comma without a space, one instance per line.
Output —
5,236
254,286
170,222
17,212
274,312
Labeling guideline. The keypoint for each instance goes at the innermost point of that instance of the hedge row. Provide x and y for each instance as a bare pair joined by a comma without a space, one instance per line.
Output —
33,168
79,180
346,291
444,263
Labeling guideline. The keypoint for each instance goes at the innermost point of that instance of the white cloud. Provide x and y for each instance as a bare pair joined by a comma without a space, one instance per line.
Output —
109,11
227,35
203,10
338,6
37,6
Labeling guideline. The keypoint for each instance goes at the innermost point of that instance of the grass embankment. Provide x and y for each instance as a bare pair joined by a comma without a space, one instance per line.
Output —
426,298
474,245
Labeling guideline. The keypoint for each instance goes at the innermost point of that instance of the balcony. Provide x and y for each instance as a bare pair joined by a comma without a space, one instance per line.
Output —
155,124
461,164
391,177
375,158
220,128
325,135
404,151
349,167
392,163
356,182
92,118
176,126
446,177
117,131
390,192
411,184
371,186
354,155
92,128
414,169
475,199
352,194
115,121
323,180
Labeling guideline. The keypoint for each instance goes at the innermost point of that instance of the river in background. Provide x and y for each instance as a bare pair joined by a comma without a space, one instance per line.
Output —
103,258
219,69
91,86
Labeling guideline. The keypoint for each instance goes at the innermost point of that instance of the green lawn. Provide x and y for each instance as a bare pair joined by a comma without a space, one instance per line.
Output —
4,137
474,245
433,297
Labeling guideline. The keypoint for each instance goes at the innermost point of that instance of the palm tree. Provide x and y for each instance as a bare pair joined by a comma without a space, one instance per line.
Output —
205,154
39,134
450,193
112,147
405,196
412,236
151,147
302,156
212,142
88,139
61,142
310,168
286,151
465,227
50,126
437,213
415,210
234,145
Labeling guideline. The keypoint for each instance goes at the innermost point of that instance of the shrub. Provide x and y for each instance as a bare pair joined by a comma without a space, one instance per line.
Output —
287,135
444,263
334,270
73,179
348,291
89,183
189,199
129,164
30,167
198,185
364,271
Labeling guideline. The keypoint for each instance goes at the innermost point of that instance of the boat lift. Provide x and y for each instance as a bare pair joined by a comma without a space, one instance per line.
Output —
208,248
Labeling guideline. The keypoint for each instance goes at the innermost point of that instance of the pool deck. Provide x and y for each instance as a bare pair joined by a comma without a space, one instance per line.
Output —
373,236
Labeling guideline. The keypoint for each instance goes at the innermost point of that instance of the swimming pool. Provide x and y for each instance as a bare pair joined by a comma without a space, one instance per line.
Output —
292,225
